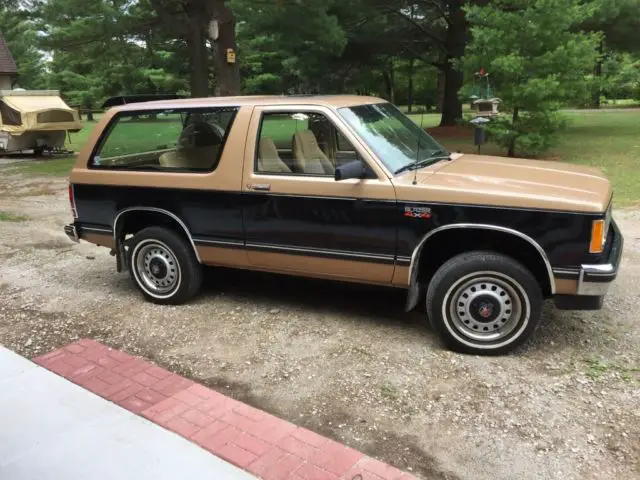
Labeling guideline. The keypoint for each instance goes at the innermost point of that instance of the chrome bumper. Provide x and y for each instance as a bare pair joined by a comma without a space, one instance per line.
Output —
72,233
594,280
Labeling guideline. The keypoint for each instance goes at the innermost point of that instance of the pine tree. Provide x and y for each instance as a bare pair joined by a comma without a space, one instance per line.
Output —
537,59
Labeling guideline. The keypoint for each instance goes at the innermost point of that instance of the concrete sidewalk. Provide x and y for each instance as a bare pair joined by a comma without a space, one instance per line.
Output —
57,430
53,429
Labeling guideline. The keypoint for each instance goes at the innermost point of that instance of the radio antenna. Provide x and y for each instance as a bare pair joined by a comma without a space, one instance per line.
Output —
415,165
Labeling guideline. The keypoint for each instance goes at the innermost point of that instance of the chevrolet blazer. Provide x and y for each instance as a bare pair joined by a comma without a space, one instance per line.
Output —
345,188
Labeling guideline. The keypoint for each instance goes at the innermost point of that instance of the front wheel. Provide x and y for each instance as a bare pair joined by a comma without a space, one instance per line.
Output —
484,303
164,266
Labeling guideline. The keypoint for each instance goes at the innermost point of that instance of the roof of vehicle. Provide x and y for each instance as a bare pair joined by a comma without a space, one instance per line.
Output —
335,101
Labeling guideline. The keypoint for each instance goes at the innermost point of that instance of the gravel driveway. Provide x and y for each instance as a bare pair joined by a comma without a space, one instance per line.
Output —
344,360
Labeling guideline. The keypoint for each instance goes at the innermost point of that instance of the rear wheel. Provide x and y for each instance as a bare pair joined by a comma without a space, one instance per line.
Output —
164,266
484,303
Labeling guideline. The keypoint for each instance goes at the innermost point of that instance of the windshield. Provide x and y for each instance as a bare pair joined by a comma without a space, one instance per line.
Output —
397,141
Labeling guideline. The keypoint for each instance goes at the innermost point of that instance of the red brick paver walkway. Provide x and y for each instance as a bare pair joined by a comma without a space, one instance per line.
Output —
262,444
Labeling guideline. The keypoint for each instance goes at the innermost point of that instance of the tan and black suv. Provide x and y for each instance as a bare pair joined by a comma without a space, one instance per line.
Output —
345,188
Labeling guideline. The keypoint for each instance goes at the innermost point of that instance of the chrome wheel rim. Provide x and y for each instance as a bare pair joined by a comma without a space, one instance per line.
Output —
486,308
156,268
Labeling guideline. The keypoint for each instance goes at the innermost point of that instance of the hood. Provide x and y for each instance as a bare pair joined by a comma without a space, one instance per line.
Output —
481,179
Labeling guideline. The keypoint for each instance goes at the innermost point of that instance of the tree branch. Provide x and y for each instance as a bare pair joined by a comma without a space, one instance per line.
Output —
438,6
439,41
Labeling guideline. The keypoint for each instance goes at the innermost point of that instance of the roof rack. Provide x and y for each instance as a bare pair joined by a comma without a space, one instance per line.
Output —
138,98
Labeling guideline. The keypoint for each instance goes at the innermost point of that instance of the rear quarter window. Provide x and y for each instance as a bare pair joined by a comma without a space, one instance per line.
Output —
189,140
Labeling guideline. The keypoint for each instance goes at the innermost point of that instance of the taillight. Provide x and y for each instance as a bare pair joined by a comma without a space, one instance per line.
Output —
72,201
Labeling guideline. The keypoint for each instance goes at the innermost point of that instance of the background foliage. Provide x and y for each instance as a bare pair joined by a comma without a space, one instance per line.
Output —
542,54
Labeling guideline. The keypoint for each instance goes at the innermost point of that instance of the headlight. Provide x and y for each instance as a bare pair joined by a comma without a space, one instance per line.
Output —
599,232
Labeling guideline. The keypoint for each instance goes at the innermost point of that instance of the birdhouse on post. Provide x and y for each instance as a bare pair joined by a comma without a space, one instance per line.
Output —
486,107
484,104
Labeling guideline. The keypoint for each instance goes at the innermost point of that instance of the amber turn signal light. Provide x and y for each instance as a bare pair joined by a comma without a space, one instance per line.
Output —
597,236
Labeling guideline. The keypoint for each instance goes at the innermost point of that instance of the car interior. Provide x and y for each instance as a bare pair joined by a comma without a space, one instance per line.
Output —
311,147
197,147
287,145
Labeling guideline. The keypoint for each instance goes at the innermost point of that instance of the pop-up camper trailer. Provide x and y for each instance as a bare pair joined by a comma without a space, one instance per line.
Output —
35,120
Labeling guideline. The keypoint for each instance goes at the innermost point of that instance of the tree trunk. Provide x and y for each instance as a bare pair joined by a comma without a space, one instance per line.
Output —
198,59
512,141
89,115
410,89
228,73
193,31
454,43
451,106
597,73
390,83
439,91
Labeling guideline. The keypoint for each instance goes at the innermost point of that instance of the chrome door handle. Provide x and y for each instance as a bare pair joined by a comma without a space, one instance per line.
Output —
263,187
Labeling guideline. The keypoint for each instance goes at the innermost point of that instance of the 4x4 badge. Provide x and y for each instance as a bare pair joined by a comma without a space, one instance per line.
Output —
417,212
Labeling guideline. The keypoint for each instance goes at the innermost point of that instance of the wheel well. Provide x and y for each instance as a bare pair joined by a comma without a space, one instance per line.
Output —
133,221
449,243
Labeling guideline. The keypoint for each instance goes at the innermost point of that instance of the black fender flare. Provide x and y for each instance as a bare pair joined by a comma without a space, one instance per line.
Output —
415,289
120,254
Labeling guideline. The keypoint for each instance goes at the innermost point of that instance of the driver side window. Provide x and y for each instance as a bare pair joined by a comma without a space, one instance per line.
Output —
181,140
299,143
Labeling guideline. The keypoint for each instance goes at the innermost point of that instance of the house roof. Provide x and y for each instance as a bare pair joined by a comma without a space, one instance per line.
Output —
7,63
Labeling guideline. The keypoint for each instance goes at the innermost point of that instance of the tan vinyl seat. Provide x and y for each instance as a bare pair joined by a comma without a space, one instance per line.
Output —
198,148
268,159
201,158
307,155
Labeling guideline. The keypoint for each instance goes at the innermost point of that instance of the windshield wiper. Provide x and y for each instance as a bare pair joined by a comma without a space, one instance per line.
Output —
412,166
437,155
440,155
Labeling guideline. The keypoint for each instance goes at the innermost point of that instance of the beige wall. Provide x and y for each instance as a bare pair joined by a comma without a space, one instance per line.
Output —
5,82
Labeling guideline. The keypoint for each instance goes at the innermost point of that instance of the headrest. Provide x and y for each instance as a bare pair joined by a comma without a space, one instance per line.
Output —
267,148
199,134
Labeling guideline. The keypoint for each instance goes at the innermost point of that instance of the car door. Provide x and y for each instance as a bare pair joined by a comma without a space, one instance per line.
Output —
298,218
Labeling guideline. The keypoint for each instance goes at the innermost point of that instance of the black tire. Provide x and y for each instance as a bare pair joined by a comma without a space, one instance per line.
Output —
484,303
171,257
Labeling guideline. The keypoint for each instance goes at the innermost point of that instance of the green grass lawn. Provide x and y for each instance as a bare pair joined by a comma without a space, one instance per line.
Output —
609,140
10,217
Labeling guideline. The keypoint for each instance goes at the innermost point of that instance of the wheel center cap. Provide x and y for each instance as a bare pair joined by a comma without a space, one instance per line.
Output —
485,309
157,268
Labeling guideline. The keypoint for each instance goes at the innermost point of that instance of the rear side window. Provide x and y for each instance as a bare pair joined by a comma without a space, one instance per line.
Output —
175,140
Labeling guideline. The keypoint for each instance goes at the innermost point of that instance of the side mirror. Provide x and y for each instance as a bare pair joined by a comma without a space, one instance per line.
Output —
353,169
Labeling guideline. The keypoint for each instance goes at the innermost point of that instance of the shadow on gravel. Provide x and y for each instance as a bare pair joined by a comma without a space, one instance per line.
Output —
379,304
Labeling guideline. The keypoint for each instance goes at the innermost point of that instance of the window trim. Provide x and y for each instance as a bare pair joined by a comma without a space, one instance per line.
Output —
113,121
292,109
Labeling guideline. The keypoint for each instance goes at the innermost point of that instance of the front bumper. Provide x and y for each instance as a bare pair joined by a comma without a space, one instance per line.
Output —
72,233
595,280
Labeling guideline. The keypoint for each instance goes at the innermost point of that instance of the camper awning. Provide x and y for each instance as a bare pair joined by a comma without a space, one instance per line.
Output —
40,112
